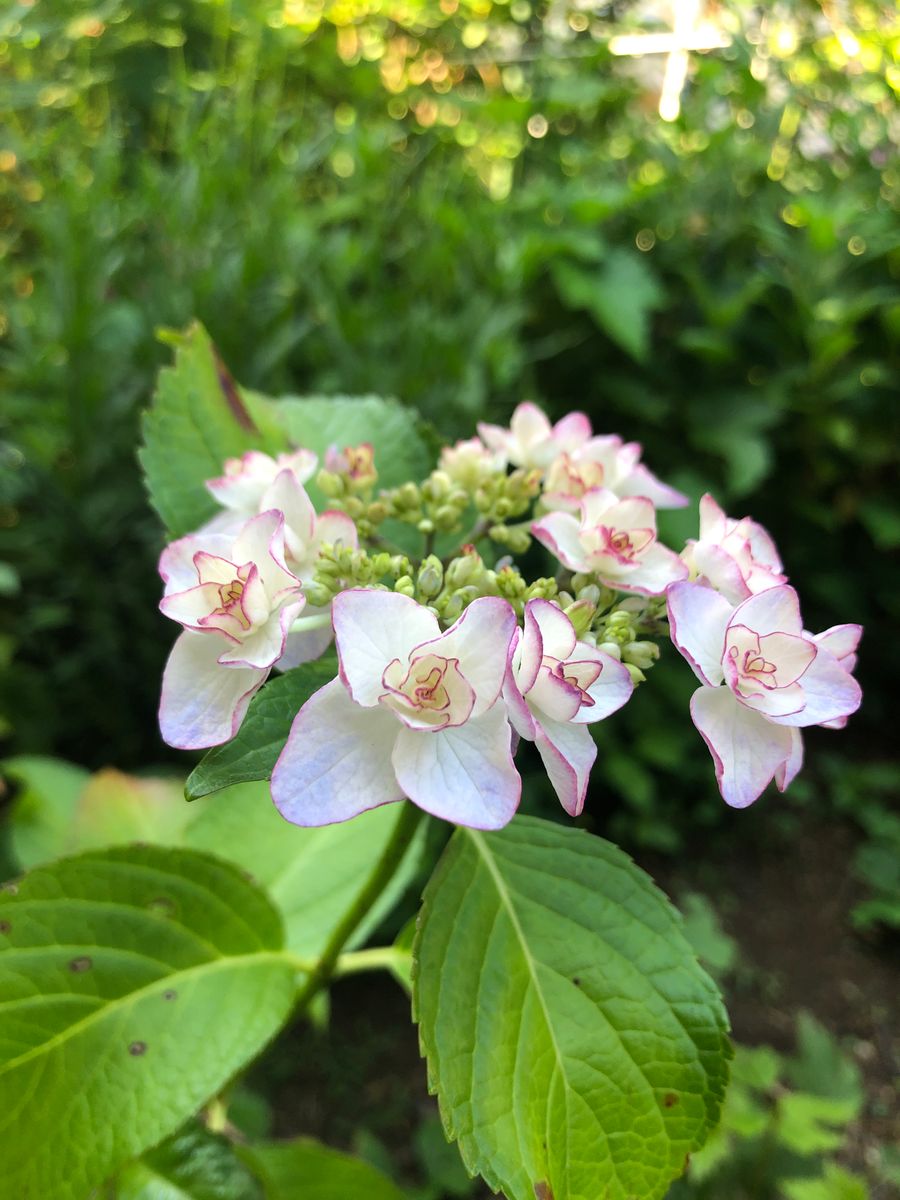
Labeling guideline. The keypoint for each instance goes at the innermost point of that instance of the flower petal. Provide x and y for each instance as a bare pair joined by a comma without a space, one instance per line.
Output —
559,533
571,431
776,610
479,640
203,703
568,752
176,563
642,482
653,571
372,628
698,617
309,641
265,646
558,635
842,641
722,571
830,693
787,772
288,496
747,749
465,775
337,760
611,689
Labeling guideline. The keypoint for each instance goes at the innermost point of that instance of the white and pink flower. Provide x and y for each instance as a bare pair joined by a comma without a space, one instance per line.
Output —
604,462
555,686
414,712
236,600
736,557
244,481
531,441
470,463
763,679
613,539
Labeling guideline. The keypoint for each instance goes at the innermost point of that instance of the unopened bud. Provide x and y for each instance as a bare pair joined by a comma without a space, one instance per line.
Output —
581,613
637,675
405,586
640,654
431,577
332,485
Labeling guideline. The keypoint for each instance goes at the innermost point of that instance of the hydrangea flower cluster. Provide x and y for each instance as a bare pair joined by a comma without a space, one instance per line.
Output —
446,661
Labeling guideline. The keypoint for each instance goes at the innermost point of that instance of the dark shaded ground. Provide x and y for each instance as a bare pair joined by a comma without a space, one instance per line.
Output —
788,906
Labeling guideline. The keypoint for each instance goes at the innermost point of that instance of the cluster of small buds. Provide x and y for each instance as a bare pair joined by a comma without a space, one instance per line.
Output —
462,652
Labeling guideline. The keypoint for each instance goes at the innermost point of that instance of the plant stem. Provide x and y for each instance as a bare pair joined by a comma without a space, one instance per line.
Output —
375,885
369,960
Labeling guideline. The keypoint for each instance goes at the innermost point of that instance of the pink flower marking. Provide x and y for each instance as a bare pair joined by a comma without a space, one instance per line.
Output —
531,441
604,462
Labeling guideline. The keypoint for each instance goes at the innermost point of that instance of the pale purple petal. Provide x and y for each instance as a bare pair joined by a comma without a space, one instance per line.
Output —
372,628
721,570
829,692
842,641
176,563
307,643
479,641
203,703
288,496
553,696
653,572
698,617
568,752
558,636
787,772
337,760
747,749
265,646
532,652
464,775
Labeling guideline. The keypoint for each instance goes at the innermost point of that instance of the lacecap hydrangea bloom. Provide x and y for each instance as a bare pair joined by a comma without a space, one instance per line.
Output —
446,664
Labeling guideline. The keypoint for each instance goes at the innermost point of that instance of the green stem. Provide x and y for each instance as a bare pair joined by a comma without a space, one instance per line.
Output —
381,875
375,959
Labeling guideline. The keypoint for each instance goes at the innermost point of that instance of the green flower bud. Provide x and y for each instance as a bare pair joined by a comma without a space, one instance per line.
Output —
467,568
637,675
640,654
405,586
581,613
317,594
431,577
332,485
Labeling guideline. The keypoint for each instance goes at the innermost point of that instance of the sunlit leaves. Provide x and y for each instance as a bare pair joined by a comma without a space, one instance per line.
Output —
117,970
576,1047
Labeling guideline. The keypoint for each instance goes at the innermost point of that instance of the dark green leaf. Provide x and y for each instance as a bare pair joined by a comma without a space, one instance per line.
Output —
307,1170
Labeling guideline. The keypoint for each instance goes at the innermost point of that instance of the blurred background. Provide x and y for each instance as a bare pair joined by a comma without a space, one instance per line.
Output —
679,217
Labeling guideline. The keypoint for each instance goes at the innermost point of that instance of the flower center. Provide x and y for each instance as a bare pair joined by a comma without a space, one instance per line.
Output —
230,595
431,694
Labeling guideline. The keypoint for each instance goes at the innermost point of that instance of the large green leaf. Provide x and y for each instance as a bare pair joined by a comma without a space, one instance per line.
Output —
312,875
198,418
577,1048
260,739
308,1170
193,1165
133,984
620,295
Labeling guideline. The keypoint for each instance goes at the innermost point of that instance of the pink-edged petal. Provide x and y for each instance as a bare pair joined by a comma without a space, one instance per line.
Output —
776,610
747,749
791,655
642,482
480,641
553,696
713,522
842,641
559,533
721,570
243,482
265,646
596,503
787,772
830,693
568,753
698,617
558,635
495,437
772,703
288,496
519,712
530,425
634,512
653,571
464,775
261,542
532,651
203,703
572,431
176,563
190,607
372,628
337,760
306,643
611,689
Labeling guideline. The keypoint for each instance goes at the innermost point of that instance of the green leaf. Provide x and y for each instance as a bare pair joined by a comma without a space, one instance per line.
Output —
813,1124
252,754
307,1169
192,1165
619,295
50,790
198,418
318,422
576,1046
821,1067
134,983
64,810
834,1184
312,875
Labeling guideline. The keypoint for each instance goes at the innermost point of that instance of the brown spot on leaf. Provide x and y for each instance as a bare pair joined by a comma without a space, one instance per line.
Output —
670,1099
163,906
232,395
81,964
543,1191
136,1049
577,981
5,927
169,994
